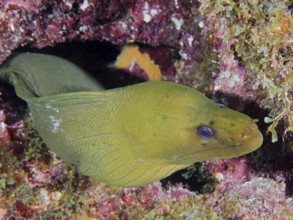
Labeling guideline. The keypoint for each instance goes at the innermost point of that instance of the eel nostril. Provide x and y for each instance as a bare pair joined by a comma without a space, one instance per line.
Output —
246,132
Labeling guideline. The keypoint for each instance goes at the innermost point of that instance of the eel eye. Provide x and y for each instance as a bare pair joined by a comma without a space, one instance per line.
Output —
205,132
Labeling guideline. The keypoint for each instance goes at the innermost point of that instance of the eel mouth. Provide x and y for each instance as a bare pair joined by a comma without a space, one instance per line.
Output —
231,150
246,146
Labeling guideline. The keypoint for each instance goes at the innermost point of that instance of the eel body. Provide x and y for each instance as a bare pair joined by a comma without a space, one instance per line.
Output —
130,136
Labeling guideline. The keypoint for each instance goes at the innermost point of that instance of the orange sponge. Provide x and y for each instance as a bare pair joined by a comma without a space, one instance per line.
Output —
131,55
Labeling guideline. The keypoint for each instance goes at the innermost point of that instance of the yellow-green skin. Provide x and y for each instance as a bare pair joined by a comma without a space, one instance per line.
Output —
129,136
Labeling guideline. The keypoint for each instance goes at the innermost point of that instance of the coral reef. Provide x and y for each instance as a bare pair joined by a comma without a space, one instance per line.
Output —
254,40
254,47
242,48
119,22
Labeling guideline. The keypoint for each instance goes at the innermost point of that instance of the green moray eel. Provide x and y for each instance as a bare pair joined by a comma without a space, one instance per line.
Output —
130,136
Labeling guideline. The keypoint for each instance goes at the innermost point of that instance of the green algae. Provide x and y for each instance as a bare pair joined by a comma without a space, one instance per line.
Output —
259,34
